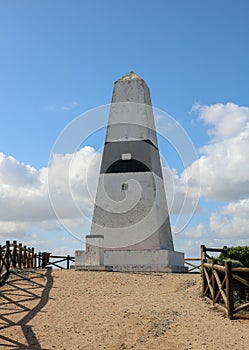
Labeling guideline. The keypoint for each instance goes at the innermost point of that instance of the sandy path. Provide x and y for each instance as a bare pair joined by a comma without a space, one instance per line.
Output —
100,310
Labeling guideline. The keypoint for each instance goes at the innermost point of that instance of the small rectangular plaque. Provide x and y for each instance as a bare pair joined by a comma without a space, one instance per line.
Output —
126,156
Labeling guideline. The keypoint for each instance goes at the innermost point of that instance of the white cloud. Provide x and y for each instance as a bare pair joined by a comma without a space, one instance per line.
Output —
239,209
24,191
195,232
182,197
51,245
224,175
14,173
70,106
23,194
228,120
72,182
8,228
223,163
231,221
66,107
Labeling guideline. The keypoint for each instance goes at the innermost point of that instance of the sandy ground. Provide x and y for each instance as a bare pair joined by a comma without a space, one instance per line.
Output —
105,310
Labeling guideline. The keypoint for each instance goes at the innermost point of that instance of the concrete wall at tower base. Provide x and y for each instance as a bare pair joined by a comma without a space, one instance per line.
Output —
94,253
151,260
157,260
150,268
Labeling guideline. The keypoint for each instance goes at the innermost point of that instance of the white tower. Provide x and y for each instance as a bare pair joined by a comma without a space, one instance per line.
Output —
130,226
130,208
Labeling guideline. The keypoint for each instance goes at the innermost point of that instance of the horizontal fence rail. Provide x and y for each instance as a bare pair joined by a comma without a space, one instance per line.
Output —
45,259
193,264
15,255
226,286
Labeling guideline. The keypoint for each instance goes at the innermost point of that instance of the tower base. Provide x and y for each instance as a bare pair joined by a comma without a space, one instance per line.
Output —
96,258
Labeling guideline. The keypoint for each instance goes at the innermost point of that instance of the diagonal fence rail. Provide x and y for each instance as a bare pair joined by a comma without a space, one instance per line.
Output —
44,259
226,286
193,264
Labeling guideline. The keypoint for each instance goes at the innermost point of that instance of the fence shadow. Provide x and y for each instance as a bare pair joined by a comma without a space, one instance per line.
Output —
22,296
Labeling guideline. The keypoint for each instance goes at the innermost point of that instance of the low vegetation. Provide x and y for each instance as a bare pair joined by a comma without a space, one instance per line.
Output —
239,256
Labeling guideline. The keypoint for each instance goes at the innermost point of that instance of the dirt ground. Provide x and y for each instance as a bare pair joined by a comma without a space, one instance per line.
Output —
67,309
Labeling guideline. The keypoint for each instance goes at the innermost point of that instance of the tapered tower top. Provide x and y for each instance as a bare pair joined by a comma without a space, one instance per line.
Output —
130,76
131,88
131,115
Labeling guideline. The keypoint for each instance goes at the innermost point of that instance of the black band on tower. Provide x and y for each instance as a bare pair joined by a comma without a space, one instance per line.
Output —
143,156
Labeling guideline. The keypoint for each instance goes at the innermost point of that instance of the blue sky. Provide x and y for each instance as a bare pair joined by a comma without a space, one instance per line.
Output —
60,58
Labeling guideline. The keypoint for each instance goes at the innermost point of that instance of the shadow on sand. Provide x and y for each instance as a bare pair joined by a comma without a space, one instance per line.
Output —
19,293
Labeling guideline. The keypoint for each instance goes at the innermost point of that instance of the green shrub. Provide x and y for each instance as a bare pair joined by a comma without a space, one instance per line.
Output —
239,254
235,263
221,261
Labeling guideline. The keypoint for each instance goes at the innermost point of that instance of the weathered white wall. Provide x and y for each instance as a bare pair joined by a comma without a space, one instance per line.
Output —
131,121
131,106
94,252
126,218
143,257
80,257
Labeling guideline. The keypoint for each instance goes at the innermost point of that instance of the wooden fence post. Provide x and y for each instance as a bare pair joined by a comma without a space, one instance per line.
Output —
213,281
1,259
203,260
20,255
39,260
32,258
68,262
25,256
203,252
28,258
229,289
14,254
35,260
8,257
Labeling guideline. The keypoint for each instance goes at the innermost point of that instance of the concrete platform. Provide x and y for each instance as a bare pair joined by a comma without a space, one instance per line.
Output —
150,268
93,268
155,260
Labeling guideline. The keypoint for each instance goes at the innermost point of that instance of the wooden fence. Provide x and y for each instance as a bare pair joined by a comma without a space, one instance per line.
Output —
226,286
44,260
15,255
192,266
